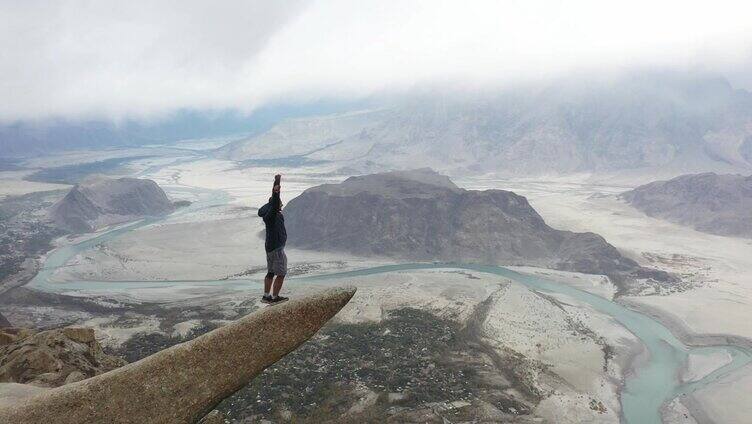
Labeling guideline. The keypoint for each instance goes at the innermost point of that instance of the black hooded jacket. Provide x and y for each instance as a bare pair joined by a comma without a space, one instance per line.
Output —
276,235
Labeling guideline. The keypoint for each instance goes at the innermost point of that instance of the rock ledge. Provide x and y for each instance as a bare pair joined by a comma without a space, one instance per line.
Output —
184,383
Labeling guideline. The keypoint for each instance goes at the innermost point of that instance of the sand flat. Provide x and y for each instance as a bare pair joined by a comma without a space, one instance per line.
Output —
13,184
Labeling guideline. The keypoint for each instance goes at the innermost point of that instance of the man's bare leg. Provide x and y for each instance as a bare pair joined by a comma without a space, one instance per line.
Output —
268,283
268,279
278,285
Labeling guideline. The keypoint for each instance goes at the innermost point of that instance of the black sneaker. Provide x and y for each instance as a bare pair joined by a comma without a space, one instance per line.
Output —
266,299
278,299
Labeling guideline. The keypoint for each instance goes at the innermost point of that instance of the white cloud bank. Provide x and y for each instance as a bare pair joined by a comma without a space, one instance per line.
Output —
142,58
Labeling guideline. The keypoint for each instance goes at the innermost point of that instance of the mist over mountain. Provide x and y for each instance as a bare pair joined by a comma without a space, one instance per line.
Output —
666,121
28,138
311,139
674,122
23,139
712,203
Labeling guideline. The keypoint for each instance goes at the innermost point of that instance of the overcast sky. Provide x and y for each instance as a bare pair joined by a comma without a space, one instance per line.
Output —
114,59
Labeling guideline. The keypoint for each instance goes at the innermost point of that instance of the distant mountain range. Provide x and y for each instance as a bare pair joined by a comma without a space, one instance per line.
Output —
650,121
670,122
422,215
98,202
23,139
712,203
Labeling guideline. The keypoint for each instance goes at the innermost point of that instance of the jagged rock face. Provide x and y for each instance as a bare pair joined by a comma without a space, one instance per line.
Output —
421,215
183,383
4,321
102,201
712,203
52,358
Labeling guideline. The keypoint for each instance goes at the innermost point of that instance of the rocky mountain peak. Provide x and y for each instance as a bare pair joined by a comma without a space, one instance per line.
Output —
100,201
52,358
423,182
709,202
422,215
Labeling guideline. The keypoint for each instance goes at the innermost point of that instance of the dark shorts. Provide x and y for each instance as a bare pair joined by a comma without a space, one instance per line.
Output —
276,262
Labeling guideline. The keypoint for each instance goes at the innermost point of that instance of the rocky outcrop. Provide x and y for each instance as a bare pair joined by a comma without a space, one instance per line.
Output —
712,203
52,358
182,384
4,321
421,215
99,201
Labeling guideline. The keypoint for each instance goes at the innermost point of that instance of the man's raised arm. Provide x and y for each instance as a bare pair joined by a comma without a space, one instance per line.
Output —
275,203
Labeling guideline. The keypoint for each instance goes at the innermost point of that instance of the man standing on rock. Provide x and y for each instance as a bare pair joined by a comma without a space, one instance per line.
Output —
276,236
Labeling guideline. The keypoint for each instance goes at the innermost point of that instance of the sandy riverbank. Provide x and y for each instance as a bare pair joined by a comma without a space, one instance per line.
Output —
713,305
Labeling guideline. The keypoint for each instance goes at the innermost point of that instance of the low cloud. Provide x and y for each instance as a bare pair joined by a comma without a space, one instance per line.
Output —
141,59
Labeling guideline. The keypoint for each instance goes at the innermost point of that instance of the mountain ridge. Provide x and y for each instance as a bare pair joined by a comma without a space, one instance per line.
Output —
708,202
399,215
99,201
652,121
